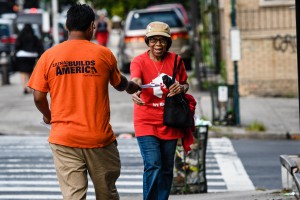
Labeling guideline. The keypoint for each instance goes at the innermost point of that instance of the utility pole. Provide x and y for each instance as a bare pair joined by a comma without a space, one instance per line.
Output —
298,43
235,64
55,21
196,41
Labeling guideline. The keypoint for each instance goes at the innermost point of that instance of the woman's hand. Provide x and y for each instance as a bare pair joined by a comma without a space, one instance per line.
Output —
174,89
136,98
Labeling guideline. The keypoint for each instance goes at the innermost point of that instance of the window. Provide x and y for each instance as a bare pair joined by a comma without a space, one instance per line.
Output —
276,2
140,20
4,30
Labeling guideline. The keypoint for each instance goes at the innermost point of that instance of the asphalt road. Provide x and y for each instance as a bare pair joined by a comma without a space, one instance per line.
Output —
261,159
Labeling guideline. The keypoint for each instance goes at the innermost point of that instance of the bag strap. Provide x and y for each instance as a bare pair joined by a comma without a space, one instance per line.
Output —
175,68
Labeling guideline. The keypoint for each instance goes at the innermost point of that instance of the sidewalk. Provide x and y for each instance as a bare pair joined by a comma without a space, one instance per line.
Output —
279,115
245,195
19,116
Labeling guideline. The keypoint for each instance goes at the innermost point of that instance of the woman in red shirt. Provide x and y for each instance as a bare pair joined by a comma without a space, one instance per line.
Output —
157,142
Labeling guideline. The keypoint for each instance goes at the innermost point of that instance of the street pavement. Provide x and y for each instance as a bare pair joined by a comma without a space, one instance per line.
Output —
27,169
18,116
280,116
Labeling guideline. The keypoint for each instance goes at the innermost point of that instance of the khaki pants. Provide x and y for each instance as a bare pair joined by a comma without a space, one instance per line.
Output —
73,164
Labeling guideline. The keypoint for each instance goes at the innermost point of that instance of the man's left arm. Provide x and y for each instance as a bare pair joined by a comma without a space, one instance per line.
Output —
130,86
41,102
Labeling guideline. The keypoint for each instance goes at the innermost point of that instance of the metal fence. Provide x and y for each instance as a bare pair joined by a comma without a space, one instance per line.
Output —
266,19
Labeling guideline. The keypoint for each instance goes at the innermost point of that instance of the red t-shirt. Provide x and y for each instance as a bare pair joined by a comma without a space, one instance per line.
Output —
148,119
77,74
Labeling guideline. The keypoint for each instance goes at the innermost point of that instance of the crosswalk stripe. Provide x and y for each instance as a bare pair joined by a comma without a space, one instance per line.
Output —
26,176
34,197
231,167
29,189
211,183
38,196
20,172
53,170
27,170
53,176
212,171
26,165
214,177
55,183
130,191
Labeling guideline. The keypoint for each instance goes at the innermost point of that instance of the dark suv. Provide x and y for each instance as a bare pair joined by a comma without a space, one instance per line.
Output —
132,41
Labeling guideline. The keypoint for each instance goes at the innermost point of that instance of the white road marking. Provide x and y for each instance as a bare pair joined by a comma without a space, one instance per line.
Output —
231,167
20,173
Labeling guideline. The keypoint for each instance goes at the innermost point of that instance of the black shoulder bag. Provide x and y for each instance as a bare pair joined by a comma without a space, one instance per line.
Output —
177,112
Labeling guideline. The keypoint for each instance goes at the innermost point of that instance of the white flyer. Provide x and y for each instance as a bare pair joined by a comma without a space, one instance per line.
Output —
48,126
150,85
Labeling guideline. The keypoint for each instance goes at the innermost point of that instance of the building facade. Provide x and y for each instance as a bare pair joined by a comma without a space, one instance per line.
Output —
268,64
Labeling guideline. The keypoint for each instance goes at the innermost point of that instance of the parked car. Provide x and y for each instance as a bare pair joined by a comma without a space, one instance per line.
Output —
40,22
177,6
132,41
8,37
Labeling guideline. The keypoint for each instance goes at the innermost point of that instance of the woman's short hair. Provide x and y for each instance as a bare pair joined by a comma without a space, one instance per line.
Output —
79,17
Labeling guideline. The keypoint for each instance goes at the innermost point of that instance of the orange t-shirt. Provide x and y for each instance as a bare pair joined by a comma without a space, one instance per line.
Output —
77,74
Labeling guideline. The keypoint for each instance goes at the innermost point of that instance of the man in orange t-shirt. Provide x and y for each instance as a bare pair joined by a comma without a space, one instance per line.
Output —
76,73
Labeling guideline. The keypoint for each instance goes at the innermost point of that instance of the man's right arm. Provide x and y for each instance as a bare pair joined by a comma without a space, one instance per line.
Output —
130,86
41,102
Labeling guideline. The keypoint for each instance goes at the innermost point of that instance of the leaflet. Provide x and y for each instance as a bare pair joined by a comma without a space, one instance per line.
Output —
48,126
150,85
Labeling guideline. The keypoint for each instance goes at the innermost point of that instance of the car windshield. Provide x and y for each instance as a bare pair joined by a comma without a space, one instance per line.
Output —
4,30
140,20
35,27
29,18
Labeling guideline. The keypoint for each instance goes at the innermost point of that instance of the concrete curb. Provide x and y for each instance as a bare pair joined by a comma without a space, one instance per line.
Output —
230,132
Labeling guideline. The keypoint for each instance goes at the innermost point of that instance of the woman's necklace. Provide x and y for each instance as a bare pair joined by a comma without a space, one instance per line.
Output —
159,72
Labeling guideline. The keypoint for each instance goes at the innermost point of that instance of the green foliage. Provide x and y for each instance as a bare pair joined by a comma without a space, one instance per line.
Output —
256,126
205,85
223,71
122,7
206,48
118,10
208,29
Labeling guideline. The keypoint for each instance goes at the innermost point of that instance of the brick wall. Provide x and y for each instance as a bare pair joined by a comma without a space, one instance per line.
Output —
264,69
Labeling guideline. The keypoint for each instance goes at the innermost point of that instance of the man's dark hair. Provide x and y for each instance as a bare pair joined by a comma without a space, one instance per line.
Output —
80,17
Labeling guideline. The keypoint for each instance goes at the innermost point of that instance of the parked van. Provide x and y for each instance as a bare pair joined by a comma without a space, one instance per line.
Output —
40,22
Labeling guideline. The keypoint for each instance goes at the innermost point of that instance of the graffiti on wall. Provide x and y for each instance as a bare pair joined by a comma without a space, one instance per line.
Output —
283,43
